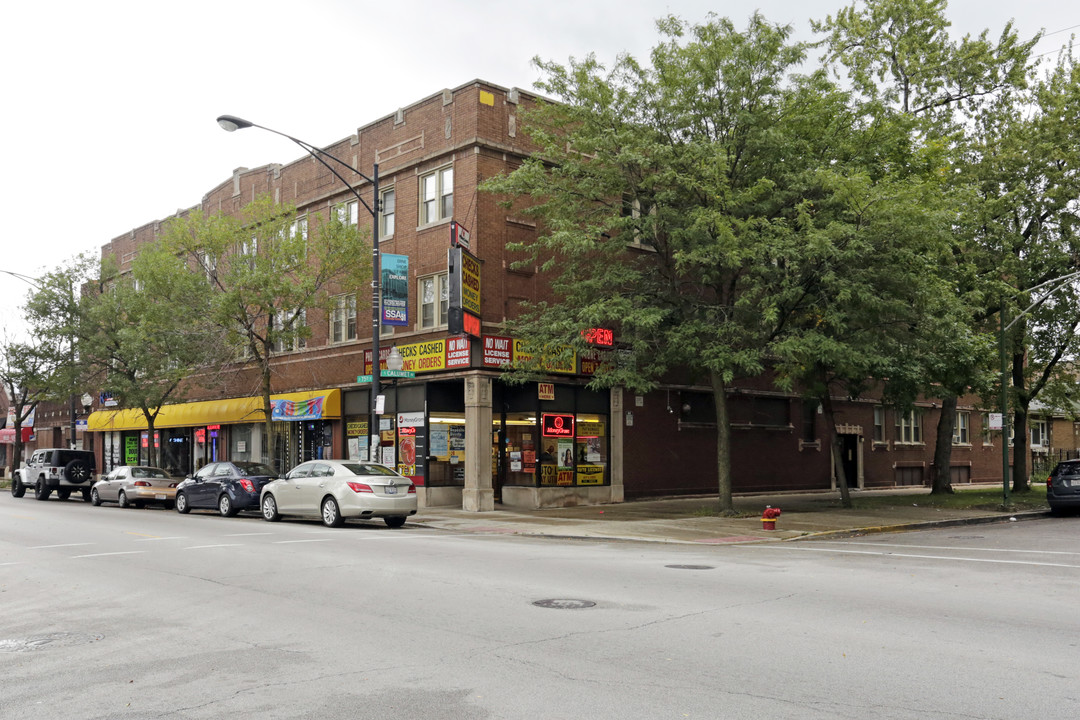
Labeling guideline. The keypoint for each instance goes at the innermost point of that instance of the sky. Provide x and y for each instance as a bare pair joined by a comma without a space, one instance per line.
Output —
111,105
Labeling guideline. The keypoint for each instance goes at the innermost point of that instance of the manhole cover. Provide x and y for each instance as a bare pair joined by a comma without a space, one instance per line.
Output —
48,640
690,567
565,604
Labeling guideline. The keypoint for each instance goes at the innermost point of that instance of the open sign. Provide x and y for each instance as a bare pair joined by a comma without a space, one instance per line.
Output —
558,425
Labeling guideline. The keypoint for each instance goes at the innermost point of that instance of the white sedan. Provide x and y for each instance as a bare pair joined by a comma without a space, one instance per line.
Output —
135,486
339,489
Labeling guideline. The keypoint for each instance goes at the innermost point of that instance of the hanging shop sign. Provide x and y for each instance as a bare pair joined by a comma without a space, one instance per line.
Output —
558,425
310,409
601,337
395,289
457,352
459,236
545,391
498,351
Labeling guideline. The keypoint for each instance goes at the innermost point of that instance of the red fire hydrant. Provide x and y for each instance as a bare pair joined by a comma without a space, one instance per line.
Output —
768,517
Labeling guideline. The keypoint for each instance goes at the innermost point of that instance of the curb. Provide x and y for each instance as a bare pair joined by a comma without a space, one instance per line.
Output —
910,527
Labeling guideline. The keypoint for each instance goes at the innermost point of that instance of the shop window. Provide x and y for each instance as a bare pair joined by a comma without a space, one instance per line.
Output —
446,445
519,451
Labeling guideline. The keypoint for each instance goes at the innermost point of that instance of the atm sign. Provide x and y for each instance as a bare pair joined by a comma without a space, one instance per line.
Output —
558,426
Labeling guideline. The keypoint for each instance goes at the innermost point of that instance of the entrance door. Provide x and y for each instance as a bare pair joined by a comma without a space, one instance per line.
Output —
849,453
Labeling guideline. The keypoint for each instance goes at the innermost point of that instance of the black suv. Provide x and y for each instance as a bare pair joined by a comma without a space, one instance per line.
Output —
1063,487
57,469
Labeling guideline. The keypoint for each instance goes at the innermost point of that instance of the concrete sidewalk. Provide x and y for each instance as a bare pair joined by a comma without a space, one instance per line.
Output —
693,519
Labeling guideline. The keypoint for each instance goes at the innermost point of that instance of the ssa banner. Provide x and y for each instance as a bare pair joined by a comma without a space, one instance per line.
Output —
395,289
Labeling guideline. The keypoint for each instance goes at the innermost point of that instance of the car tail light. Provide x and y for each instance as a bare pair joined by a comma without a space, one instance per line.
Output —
141,483
1049,481
172,485
360,487
247,485
412,489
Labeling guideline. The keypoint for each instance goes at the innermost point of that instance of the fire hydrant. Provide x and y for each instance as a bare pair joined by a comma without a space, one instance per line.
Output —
768,517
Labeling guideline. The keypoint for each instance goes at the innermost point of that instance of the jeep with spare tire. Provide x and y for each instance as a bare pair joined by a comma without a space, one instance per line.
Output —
65,471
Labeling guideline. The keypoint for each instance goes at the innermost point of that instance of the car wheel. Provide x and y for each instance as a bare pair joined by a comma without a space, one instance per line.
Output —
331,515
122,500
86,494
63,494
40,491
269,509
225,506
394,522
95,498
17,487
77,471
181,504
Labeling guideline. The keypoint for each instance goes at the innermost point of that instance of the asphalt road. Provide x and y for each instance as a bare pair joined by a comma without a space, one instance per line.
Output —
109,613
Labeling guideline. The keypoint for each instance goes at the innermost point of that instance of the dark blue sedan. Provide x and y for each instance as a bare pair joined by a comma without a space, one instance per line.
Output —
228,487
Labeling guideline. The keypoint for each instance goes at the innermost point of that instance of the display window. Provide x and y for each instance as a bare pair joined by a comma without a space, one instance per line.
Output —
446,450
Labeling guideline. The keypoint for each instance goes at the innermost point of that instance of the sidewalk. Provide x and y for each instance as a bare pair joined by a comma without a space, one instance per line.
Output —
692,519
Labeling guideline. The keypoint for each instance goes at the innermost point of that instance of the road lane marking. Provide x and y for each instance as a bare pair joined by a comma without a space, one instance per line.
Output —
202,547
915,556
47,547
151,539
142,535
127,552
956,548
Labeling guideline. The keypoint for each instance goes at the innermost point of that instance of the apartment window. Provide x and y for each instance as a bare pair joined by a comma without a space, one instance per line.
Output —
1039,436
987,438
348,213
288,324
298,228
434,300
437,196
643,230
343,319
389,201
209,265
961,431
909,427
879,424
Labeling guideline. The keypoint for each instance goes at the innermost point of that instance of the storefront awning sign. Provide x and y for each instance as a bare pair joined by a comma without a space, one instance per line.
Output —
310,409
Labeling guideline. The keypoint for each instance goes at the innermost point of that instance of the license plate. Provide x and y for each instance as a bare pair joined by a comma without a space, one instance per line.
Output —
391,489
159,497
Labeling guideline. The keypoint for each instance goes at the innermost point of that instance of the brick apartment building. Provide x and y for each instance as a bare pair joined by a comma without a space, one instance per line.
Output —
467,438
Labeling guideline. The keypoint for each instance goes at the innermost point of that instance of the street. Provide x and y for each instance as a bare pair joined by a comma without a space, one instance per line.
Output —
111,613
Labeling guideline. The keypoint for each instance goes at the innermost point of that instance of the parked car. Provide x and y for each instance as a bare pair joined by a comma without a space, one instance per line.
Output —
135,486
339,489
227,486
1063,487
59,469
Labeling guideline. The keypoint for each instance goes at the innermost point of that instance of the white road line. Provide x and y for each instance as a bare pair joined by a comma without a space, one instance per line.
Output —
288,542
202,547
915,556
10,563
128,552
153,539
958,549
47,547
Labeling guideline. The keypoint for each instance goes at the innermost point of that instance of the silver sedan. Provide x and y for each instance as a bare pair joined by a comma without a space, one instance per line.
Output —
135,486
339,489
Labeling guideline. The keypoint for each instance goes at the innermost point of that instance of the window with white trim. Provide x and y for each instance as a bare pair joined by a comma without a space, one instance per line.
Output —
348,213
879,424
437,196
434,300
289,325
987,438
1040,438
343,319
298,227
388,207
909,427
961,429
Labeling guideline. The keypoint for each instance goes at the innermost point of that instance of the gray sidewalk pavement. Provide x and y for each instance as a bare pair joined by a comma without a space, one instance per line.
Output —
693,519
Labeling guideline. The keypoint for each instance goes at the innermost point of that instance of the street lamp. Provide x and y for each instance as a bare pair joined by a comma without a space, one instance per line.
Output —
232,123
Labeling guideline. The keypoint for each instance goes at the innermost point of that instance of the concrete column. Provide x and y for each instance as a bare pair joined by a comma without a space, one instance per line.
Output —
478,494
615,452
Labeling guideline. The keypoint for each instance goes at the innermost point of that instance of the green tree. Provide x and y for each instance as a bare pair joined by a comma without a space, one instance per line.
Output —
141,346
27,372
257,275
689,205
899,55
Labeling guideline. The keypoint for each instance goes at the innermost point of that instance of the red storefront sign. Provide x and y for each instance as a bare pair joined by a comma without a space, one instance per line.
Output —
558,425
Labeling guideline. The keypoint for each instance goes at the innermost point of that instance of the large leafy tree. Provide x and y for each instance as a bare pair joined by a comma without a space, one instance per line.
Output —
900,57
694,205
28,374
255,276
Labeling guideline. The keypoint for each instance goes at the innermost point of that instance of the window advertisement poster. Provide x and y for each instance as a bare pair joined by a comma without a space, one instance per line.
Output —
457,444
590,474
407,451
395,289
565,455
440,441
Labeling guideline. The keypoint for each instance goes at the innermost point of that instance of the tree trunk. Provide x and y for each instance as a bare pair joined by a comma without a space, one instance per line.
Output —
835,449
723,444
1020,428
942,480
269,447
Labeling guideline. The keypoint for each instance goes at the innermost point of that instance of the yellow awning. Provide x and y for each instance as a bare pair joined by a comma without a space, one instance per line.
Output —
208,412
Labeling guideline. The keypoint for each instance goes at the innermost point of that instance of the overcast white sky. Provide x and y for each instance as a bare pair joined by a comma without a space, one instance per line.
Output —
111,104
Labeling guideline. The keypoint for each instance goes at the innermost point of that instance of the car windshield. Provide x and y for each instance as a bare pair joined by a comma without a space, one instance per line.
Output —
368,469
253,468
1069,469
